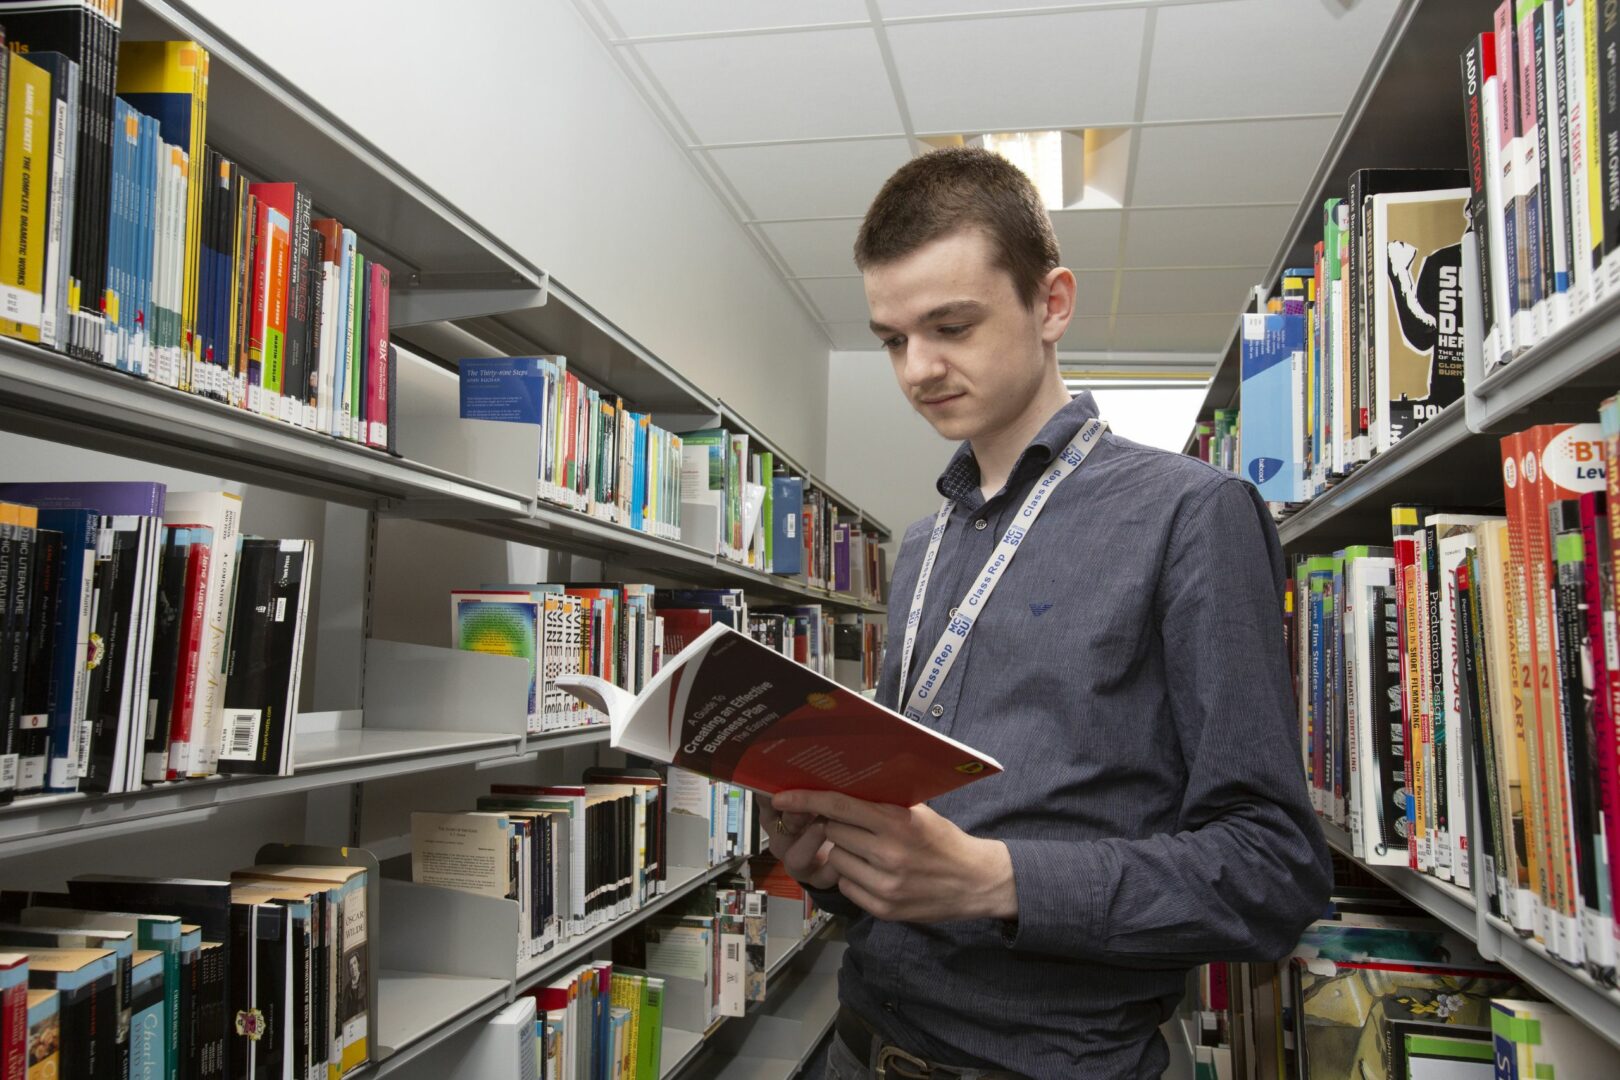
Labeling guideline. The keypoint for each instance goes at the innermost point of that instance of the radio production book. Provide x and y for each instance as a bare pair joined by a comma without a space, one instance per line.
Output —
734,710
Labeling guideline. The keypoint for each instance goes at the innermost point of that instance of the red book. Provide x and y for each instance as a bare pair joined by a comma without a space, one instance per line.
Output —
13,1015
191,648
1407,532
1605,645
376,339
683,626
734,710
1609,753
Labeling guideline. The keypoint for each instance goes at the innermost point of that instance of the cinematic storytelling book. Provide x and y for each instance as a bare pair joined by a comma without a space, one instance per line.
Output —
732,709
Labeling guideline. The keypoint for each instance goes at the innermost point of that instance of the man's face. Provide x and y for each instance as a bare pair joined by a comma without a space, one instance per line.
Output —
967,351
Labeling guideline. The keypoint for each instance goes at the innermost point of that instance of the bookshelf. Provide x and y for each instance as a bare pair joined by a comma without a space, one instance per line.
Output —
1408,112
378,719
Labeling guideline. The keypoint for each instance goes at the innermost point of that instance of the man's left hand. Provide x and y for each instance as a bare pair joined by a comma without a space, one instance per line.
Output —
910,864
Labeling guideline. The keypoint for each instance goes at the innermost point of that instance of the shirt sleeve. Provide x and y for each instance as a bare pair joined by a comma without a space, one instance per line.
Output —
1248,868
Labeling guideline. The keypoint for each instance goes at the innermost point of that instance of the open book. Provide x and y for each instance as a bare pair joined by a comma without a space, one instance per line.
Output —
731,709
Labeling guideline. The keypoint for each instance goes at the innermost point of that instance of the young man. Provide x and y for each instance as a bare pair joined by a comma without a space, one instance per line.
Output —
1114,616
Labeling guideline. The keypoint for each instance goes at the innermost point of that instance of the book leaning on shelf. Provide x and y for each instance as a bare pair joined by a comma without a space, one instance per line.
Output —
1475,653
148,251
143,640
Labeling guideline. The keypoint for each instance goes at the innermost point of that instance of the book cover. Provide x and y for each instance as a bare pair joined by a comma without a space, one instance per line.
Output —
75,591
292,264
1272,345
1540,1039
44,1035
265,659
1417,308
378,389
506,388
220,511
732,709
501,623
191,633
87,982
13,1013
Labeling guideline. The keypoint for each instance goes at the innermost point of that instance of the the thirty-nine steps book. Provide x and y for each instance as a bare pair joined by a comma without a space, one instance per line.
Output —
732,709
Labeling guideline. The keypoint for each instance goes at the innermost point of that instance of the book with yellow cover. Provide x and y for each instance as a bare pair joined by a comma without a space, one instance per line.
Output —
23,200
169,80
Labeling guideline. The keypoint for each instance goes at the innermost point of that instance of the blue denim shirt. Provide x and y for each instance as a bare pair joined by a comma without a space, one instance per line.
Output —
1130,675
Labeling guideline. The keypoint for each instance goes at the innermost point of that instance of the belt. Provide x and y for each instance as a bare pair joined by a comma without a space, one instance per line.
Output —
893,1063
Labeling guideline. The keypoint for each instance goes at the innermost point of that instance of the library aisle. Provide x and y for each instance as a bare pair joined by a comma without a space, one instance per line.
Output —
449,494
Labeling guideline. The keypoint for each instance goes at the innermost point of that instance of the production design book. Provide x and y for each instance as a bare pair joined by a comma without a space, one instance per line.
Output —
732,709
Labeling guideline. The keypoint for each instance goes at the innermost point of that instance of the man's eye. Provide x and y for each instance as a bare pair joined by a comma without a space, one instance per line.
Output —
953,331
893,343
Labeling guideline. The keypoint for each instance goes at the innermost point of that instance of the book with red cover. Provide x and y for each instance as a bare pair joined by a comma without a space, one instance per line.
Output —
191,651
376,371
734,710
682,626
13,1015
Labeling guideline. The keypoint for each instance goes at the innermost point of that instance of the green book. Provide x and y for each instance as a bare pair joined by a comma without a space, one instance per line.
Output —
357,348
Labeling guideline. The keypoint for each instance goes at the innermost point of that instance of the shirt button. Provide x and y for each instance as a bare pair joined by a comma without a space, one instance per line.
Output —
980,524
952,613
937,710
888,1007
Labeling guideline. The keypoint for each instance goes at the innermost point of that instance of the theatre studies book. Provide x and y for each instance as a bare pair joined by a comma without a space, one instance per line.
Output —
732,709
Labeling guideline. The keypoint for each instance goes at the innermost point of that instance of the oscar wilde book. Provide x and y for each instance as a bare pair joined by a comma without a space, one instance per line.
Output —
734,710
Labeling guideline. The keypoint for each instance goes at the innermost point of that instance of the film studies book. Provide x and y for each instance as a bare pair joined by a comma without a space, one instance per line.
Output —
732,709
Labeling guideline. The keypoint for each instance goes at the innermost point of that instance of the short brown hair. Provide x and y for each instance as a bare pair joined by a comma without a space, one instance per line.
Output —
945,191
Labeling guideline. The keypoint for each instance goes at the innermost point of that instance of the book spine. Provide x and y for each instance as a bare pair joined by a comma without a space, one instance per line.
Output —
189,671
1608,67
1554,74
380,390
1569,629
1601,658
1476,68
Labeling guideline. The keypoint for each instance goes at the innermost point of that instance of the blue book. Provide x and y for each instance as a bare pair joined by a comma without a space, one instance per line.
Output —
787,508
110,497
1273,348
510,389
341,395
65,732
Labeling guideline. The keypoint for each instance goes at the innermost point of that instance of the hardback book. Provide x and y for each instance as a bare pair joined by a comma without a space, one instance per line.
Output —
504,1048
266,654
1417,330
734,710
220,511
1534,1039
1272,353
1416,1049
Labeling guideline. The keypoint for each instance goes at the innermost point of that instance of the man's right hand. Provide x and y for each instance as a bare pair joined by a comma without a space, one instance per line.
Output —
799,841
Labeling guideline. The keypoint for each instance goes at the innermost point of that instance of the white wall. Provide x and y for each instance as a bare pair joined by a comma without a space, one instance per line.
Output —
884,456
515,112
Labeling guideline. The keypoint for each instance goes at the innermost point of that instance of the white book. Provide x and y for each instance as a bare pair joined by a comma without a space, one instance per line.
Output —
1499,343
1456,538
222,512
1580,270
504,1048
1558,183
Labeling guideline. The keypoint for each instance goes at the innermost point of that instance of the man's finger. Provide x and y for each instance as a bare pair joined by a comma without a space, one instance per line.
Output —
836,806
852,867
857,841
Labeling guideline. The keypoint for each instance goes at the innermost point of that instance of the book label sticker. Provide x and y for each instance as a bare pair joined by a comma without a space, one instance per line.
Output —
241,734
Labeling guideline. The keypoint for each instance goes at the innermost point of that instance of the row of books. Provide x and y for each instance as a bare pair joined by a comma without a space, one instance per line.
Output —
576,857
134,243
1491,638
1359,349
622,631
1544,205
145,638
1379,988
264,975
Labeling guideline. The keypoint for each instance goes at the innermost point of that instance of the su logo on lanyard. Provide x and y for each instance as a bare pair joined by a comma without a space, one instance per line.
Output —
949,647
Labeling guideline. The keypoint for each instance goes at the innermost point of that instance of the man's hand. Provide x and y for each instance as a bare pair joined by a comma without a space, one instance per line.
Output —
908,865
799,841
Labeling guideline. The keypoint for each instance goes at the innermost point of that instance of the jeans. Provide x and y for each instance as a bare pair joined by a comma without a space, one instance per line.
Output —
843,1065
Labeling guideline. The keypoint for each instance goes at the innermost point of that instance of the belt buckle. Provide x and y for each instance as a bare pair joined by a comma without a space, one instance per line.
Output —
889,1055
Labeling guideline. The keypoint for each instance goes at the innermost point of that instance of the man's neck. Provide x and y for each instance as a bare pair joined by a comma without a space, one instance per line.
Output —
998,452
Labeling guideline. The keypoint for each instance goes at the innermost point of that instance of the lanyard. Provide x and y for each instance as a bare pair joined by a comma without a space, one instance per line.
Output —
950,643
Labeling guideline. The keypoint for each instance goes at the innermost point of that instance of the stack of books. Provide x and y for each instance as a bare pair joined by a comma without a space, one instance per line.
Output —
146,639
134,244
1476,636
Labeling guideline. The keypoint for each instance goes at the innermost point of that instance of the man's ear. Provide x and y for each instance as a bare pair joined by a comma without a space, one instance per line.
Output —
1056,300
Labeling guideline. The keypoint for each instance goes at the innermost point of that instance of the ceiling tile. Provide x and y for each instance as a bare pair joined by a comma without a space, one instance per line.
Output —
1094,293
840,299
1089,334
638,17
1173,333
899,9
1206,235
815,248
825,179
1049,71
1189,164
1172,292
819,84
852,335
1244,57
1088,238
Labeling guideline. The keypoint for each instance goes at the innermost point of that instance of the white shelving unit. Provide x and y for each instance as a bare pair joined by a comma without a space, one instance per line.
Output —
386,715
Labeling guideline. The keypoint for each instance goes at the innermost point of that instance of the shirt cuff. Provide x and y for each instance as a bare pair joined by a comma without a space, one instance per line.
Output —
833,901
1062,888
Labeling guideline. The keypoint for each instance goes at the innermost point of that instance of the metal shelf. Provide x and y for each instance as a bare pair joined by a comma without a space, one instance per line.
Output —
417,1011
1573,366
1407,113
320,760
803,1014
279,132
1467,914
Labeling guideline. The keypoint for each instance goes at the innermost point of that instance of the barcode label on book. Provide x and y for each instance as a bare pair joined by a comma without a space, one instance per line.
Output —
8,771
281,609
733,951
81,761
241,735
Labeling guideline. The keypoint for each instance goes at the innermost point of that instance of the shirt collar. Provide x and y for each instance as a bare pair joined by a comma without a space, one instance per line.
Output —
960,480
